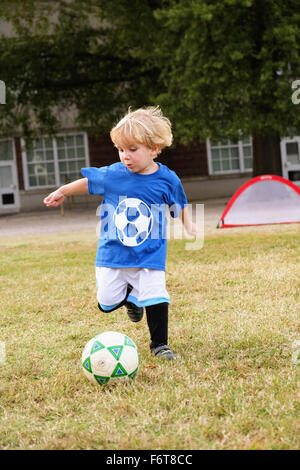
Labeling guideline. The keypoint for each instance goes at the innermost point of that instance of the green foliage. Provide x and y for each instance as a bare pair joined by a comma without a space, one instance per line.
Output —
73,54
231,64
216,67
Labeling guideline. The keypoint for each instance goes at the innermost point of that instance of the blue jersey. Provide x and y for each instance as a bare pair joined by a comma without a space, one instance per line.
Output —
133,231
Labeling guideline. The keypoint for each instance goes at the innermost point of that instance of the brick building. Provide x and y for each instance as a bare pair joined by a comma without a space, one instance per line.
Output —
207,170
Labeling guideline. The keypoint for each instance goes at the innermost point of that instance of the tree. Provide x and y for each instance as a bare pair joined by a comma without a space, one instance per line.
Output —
219,68
73,54
230,65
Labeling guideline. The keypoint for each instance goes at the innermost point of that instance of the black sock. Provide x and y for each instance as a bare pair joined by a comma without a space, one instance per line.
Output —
157,319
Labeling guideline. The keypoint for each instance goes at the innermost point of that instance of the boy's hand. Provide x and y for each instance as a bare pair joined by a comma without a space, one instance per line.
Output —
189,226
192,229
54,199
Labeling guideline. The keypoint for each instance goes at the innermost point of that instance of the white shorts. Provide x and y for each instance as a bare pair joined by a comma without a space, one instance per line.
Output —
149,286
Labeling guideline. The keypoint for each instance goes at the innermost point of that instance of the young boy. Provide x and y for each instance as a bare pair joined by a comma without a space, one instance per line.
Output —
131,257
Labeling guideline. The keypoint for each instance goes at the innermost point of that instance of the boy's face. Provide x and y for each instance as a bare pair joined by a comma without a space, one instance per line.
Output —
137,157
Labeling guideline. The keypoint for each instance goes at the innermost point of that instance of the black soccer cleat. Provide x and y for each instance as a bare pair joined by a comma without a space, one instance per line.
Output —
134,312
165,352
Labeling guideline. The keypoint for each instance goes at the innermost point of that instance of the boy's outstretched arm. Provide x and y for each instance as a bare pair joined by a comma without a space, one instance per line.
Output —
188,224
57,197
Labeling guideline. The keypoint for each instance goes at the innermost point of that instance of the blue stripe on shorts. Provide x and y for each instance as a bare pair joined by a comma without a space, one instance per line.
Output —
108,308
147,302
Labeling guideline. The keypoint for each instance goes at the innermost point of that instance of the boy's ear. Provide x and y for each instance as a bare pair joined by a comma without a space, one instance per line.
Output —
156,149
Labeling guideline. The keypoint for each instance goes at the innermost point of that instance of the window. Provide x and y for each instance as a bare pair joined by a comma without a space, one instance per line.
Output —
54,161
225,156
292,153
9,194
40,163
290,158
6,150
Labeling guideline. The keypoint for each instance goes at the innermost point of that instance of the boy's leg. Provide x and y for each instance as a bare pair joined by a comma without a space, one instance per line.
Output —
157,319
112,288
135,313
149,290
116,306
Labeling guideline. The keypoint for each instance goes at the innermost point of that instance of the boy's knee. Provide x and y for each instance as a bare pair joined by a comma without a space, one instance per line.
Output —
108,301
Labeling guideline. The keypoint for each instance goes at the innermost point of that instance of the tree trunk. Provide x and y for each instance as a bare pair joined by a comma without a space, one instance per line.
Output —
266,155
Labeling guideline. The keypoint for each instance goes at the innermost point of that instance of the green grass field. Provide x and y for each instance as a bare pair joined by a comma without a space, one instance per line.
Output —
233,319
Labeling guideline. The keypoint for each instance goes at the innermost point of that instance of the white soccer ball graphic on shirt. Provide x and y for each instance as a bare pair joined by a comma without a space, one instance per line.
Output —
110,356
133,220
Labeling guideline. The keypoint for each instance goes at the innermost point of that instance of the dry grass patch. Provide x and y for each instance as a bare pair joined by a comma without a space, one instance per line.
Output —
234,316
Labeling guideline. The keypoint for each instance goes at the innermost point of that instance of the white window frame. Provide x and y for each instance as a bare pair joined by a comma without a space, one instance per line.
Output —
27,186
15,184
286,166
242,168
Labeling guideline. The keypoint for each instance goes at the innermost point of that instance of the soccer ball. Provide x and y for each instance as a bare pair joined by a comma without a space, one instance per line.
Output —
109,357
133,220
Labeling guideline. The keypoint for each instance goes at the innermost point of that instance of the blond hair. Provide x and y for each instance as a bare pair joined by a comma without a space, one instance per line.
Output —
148,126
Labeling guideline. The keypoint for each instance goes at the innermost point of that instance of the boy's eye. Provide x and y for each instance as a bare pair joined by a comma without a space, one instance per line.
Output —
132,149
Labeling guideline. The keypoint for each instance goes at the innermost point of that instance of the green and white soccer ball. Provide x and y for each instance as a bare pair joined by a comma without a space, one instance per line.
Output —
110,357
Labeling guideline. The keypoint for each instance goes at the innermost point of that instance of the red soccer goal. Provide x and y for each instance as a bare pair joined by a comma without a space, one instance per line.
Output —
265,199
